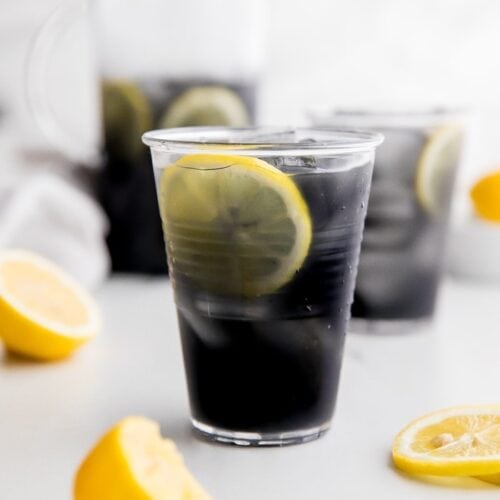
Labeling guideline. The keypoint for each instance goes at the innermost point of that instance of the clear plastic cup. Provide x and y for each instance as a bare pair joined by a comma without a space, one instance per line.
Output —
263,229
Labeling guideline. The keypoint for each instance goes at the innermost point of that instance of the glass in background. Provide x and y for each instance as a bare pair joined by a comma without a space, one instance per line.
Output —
402,253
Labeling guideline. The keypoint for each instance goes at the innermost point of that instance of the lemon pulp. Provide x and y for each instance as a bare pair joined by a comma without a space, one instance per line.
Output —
44,314
461,441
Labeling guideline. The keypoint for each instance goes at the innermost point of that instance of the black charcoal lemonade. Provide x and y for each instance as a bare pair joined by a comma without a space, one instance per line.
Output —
263,254
125,184
402,252
403,243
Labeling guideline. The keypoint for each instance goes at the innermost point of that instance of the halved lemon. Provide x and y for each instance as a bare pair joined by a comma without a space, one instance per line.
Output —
436,168
206,105
133,462
44,313
234,225
485,195
459,441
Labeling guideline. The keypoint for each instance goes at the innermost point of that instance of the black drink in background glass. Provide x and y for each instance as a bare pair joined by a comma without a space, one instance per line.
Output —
402,252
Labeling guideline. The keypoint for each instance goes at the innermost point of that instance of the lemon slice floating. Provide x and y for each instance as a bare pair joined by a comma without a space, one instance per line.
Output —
206,105
234,225
486,197
460,441
126,116
436,167
132,462
44,313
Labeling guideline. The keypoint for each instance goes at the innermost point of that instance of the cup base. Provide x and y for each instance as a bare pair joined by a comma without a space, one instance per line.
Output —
239,438
387,326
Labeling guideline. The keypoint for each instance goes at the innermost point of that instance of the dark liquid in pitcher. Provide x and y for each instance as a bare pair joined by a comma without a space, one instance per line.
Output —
125,184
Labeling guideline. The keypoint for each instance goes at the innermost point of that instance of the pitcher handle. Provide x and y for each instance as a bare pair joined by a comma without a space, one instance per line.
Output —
39,55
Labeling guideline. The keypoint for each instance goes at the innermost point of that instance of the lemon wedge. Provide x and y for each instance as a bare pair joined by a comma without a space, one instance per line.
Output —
44,313
133,462
459,441
436,168
234,225
485,196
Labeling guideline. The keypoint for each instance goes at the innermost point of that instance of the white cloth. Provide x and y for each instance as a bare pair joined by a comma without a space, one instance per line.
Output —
45,213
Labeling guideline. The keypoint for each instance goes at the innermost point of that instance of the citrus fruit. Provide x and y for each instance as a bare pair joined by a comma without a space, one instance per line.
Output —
459,441
133,462
485,196
436,166
126,116
234,225
492,478
44,313
206,105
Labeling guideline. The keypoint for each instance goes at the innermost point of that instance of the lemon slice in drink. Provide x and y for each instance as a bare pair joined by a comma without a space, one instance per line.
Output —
44,314
126,115
234,225
436,166
133,462
206,105
460,441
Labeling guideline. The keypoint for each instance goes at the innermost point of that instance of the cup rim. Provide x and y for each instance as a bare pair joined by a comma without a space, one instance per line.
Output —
385,117
259,141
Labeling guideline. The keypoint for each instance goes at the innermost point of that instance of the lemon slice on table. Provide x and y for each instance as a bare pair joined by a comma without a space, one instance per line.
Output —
485,196
460,441
234,225
44,313
133,462
436,167
126,116
206,105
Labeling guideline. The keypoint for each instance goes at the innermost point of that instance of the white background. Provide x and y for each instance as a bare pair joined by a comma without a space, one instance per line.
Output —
318,53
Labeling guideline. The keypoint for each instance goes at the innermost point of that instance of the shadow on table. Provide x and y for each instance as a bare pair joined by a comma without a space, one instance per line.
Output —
182,433
13,361
178,430
461,483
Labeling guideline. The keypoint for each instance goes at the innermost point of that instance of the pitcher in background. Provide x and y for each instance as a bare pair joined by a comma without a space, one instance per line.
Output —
162,64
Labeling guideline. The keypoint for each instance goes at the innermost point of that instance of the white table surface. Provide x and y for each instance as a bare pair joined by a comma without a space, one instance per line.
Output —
50,414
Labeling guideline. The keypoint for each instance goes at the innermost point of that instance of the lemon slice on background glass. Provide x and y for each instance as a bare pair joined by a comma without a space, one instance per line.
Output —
234,225
44,313
485,196
436,168
206,105
126,116
460,441
133,462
